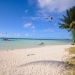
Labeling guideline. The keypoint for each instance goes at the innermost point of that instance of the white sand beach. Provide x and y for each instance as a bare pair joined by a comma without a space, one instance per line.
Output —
46,60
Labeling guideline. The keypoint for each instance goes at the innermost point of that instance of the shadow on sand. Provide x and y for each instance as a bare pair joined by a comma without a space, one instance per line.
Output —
45,62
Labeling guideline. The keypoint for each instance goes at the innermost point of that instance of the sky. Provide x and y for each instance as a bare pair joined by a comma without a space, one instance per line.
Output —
28,18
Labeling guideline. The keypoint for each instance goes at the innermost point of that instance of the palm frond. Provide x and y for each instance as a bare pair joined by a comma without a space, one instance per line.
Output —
68,22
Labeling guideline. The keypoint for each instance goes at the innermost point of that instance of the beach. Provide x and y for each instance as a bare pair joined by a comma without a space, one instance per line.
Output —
37,37
46,60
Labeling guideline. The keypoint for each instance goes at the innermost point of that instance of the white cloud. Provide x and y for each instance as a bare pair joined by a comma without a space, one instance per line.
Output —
32,18
49,30
26,35
1,35
42,13
27,25
16,35
35,18
56,5
39,15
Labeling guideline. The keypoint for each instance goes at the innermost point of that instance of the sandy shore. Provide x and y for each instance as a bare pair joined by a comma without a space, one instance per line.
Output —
47,60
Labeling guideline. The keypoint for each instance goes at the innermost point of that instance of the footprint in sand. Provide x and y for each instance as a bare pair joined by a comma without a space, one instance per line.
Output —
30,54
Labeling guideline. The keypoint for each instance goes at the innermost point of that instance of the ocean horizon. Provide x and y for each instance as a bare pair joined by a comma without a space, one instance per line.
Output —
22,43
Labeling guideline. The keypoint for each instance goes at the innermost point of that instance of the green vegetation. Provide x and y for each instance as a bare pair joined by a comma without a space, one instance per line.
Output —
71,62
68,22
72,50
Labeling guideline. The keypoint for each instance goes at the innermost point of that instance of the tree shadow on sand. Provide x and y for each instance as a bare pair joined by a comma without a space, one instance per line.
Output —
54,67
45,62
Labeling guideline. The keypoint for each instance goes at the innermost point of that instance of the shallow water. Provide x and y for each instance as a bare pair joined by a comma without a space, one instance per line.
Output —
29,43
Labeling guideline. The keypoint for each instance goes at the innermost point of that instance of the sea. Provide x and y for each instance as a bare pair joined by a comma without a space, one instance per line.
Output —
22,43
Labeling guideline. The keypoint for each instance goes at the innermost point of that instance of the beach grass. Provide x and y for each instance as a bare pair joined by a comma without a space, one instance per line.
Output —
72,50
71,61
71,58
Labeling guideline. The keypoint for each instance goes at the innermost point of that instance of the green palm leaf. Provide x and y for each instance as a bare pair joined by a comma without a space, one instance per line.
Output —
68,21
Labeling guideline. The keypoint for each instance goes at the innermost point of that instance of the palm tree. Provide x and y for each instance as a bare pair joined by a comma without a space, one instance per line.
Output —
68,22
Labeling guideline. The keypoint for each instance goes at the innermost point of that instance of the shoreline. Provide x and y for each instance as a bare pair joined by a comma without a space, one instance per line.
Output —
46,60
33,47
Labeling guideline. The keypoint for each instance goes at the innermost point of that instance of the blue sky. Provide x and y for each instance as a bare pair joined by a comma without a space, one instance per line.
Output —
27,18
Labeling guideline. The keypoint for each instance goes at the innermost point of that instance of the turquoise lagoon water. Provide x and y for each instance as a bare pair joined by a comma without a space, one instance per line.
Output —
30,43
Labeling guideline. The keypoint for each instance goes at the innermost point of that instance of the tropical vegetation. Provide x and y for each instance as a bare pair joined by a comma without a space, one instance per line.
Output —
70,60
68,22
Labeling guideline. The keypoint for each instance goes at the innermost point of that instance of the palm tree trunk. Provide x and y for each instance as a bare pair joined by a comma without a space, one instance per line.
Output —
73,34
